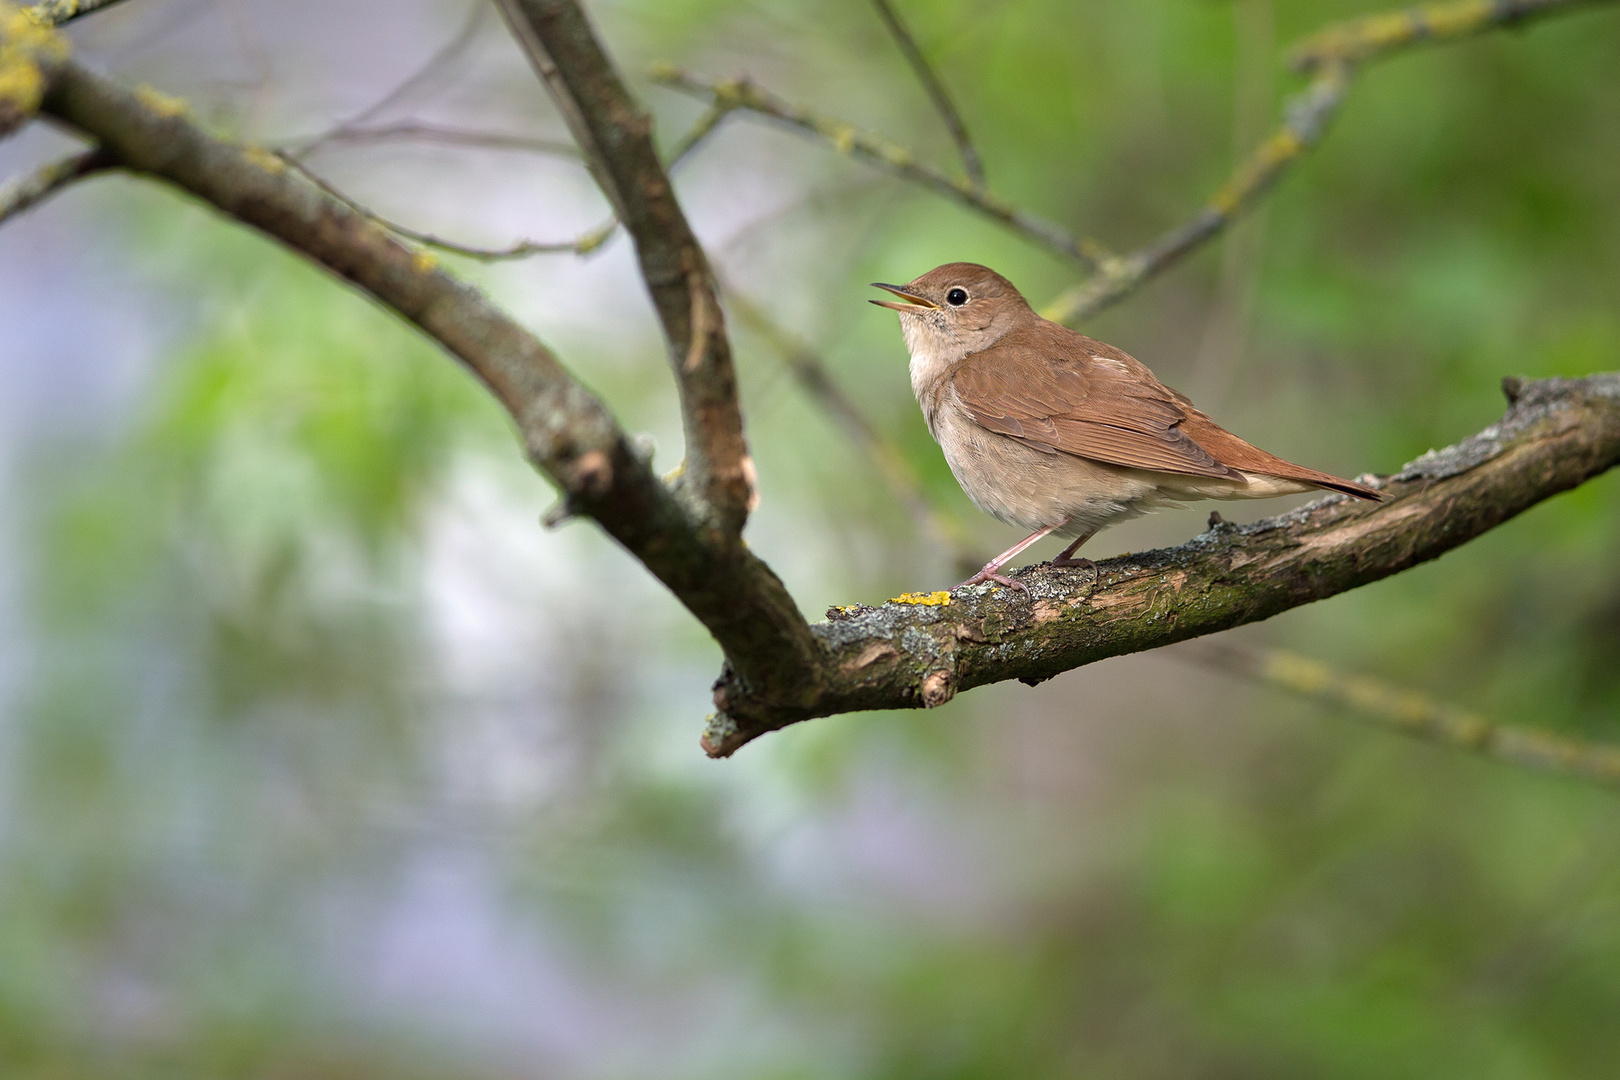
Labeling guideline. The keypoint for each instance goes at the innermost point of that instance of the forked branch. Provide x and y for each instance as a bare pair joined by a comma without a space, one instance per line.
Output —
614,132
569,434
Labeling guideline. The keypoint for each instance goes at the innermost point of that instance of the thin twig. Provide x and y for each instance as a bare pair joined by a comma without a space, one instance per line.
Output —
1306,117
26,192
418,131
1412,713
57,12
584,244
447,54
813,377
877,151
1335,56
971,163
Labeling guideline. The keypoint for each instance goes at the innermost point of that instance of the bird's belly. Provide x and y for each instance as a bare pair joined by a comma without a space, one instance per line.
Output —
1022,486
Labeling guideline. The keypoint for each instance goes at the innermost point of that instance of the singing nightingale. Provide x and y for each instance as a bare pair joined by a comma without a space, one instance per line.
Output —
1059,433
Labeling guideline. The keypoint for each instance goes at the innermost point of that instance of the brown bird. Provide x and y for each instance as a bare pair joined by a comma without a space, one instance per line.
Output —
1056,432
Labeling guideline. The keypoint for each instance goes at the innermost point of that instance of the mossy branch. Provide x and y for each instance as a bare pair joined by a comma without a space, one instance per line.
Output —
907,654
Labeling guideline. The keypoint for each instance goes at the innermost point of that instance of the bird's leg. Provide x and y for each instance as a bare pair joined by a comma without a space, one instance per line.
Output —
1066,556
991,571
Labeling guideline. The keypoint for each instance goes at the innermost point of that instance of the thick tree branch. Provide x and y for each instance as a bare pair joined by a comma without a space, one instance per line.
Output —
921,651
615,134
1395,709
971,164
569,434
877,151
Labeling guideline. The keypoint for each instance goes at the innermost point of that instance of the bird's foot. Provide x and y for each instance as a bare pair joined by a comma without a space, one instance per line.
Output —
991,573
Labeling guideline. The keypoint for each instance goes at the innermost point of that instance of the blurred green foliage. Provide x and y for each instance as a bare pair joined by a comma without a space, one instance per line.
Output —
232,761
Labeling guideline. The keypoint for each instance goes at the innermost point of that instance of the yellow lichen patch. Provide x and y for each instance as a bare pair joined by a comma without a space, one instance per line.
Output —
161,103
24,44
264,159
1450,20
424,261
939,598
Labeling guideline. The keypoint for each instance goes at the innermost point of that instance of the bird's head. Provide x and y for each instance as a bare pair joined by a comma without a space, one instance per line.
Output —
956,309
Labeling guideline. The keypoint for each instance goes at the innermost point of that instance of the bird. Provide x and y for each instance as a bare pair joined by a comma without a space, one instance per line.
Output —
1059,433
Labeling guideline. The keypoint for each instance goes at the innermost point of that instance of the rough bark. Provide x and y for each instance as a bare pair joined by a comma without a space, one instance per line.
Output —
614,132
920,651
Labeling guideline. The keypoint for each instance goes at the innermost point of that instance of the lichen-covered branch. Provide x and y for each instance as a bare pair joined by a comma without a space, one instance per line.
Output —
1394,708
57,12
971,163
568,433
1356,40
877,151
26,192
29,52
921,651
616,136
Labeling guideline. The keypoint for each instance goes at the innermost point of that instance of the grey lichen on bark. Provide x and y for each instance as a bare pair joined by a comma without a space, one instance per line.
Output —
919,651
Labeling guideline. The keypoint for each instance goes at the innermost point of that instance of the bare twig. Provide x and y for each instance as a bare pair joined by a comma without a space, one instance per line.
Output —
971,164
920,651
1306,117
1411,713
813,377
568,433
584,244
57,12
880,152
26,192
520,250
418,131
614,132
447,54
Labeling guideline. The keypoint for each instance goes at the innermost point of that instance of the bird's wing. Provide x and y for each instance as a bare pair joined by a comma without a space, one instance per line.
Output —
1078,396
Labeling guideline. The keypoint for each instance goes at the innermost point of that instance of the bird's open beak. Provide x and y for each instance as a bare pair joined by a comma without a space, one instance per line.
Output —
917,303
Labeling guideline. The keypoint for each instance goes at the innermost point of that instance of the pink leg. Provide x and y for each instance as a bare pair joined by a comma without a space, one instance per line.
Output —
992,568
1066,556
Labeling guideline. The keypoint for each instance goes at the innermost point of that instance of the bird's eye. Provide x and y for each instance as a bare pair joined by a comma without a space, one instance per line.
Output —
956,297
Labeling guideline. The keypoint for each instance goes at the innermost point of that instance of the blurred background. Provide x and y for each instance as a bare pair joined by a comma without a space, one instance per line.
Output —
320,758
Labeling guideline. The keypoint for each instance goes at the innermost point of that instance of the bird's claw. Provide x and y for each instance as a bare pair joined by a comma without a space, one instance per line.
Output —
989,573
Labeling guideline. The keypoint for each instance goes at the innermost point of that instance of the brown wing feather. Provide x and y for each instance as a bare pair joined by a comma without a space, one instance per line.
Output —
1061,392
